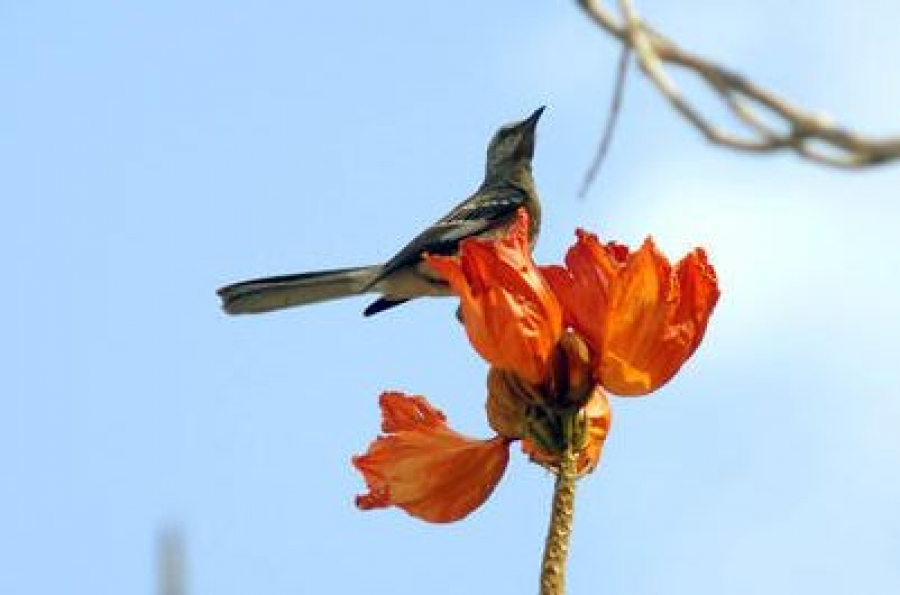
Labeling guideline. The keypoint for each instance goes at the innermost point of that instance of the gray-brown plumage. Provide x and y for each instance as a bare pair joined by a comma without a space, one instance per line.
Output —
507,185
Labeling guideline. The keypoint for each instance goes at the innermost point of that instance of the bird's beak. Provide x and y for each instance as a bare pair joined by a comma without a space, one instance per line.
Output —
528,127
532,120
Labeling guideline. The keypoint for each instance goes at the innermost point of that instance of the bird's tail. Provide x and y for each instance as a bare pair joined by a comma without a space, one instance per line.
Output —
274,293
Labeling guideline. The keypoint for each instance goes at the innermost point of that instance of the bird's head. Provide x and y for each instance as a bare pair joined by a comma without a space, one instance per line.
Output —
512,145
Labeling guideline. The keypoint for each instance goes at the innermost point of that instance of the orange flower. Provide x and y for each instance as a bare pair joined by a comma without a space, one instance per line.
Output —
424,467
556,338
511,316
642,319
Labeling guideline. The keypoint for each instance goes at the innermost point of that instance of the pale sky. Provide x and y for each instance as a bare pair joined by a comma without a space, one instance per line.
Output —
153,151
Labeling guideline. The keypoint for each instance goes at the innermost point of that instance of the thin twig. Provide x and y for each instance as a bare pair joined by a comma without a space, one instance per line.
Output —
811,136
612,119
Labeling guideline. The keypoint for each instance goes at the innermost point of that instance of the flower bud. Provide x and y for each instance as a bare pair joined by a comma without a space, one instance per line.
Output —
571,381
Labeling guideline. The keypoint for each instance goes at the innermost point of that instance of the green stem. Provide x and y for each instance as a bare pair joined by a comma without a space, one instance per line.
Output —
556,546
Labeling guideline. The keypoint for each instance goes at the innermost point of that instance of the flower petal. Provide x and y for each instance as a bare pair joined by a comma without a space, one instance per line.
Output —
403,412
509,401
511,315
599,419
583,286
699,292
635,333
505,412
424,467
657,318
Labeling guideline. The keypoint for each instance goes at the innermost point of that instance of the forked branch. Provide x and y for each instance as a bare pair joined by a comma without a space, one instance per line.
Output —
811,136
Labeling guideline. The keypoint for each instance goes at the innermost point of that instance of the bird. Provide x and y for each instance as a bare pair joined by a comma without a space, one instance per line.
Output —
507,186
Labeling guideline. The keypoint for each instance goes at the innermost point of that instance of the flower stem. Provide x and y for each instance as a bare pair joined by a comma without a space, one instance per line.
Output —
556,546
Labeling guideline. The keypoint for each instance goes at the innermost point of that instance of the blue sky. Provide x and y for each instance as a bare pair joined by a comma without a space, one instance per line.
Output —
151,152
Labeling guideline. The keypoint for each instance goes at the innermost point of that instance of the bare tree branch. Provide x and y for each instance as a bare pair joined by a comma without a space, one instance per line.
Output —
615,107
811,136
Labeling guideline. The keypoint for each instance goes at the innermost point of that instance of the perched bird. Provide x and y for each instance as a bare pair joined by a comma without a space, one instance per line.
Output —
507,185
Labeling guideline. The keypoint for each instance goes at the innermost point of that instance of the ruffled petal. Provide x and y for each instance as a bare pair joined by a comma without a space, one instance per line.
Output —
636,332
424,467
699,293
599,419
584,285
511,316
404,412
656,321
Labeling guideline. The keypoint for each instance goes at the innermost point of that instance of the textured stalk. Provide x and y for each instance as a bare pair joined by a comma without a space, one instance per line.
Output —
556,547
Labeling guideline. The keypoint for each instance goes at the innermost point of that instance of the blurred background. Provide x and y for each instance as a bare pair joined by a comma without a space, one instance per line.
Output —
153,151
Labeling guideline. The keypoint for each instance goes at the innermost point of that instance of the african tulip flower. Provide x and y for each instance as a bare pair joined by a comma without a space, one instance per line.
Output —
557,338
642,318
438,475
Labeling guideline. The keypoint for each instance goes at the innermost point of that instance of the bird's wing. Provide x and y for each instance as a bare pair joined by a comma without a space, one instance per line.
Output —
481,212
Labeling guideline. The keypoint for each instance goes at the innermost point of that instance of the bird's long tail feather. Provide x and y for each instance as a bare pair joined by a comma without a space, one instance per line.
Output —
275,293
